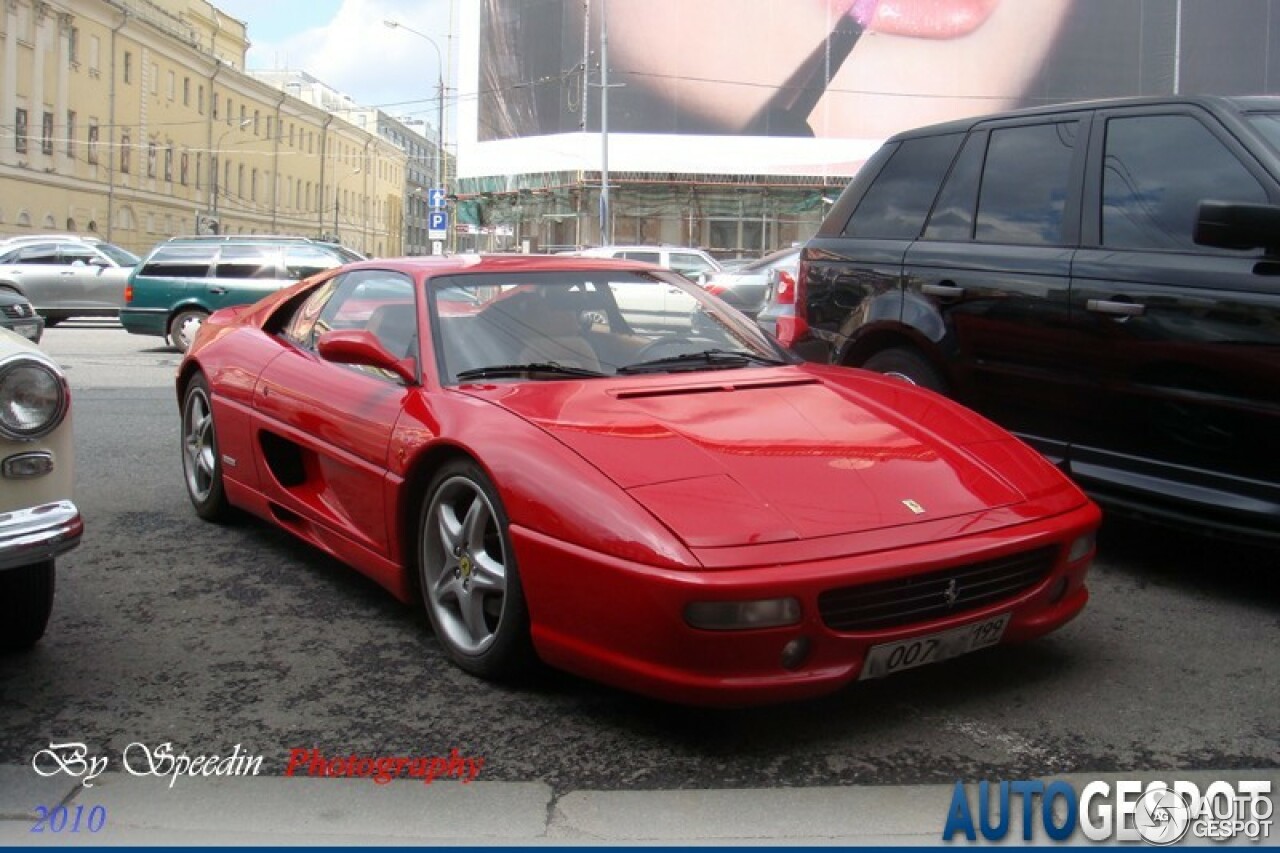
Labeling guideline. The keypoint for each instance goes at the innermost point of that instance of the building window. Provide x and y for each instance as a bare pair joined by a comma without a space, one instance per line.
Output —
155,79
95,52
170,85
253,186
128,67
92,153
124,153
268,127
199,166
244,115
71,133
151,159
168,163
214,104
200,99
46,133
256,118
184,167
229,112
186,91
20,131
73,45
240,180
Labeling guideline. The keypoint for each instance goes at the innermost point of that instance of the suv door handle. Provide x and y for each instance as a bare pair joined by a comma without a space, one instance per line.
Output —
217,291
1118,309
946,291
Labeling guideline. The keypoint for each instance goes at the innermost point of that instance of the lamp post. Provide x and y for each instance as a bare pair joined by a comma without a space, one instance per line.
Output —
606,235
337,195
217,163
396,25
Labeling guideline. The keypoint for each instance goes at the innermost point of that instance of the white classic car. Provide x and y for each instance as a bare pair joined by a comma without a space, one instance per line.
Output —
38,519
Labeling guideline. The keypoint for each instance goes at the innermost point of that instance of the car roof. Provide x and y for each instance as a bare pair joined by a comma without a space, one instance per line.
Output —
1213,103
45,238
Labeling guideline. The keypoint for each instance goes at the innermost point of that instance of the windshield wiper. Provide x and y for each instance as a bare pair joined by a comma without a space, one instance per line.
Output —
714,358
533,367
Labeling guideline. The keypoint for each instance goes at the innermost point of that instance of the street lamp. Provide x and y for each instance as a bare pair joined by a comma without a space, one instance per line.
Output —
217,158
439,94
337,194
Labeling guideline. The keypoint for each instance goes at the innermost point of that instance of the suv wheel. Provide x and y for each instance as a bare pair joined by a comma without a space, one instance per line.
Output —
907,365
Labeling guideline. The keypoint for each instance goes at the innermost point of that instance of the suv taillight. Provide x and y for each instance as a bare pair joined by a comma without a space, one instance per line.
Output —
128,293
790,295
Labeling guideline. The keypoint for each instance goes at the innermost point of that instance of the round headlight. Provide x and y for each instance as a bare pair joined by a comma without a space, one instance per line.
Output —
33,399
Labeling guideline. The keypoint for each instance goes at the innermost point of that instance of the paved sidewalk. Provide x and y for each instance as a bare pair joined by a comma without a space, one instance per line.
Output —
318,811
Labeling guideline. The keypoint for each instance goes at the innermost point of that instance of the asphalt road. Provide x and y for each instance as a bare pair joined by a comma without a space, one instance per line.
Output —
168,629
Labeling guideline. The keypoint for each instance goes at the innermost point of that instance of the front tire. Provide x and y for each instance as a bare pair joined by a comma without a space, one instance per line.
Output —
201,464
468,575
184,326
26,600
909,366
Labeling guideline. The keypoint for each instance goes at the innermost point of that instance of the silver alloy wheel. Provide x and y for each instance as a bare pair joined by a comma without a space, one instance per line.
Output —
465,561
183,329
199,447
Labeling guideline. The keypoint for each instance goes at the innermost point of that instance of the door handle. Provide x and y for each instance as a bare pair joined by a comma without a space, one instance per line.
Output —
945,291
217,291
1116,309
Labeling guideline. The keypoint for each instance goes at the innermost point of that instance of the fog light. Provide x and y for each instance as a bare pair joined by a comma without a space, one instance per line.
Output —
25,466
1058,591
794,653
1081,548
740,615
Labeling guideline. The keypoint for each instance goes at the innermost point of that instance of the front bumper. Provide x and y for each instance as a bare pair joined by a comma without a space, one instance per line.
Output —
39,533
623,623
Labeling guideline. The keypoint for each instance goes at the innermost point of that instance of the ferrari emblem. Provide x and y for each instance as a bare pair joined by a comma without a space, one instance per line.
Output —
951,594
913,506
465,565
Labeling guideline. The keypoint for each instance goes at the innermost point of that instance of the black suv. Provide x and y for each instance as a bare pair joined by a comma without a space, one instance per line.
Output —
1103,279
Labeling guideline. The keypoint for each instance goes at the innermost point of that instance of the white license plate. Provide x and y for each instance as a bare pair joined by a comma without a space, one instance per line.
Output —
888,658
27,330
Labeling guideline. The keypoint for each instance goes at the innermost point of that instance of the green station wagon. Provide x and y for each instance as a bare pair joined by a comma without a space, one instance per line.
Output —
185,279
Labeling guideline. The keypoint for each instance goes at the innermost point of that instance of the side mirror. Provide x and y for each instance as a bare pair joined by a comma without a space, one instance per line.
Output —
356,346
1229,225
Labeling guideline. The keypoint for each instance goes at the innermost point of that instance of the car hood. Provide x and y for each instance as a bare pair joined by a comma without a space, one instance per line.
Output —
744,457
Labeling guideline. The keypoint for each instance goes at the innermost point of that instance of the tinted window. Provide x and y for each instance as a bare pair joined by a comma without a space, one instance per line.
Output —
1025,184
647,257
248,262
115,253
952,217
180,262
1267,124
896,204
83,254
1157,171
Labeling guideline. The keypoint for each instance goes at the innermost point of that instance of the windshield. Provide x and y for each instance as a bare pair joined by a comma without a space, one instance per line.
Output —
556,325
120,256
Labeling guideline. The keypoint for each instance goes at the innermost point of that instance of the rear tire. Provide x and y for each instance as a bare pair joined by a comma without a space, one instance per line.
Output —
184,326
26,600
909,366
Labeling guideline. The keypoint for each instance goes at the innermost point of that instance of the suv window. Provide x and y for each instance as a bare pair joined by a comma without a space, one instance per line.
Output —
895,205
180,261
248,262
302,261
1025,184
647,257
70,253
1157,171
952,217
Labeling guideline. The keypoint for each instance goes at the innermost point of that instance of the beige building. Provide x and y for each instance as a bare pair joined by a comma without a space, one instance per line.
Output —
134,120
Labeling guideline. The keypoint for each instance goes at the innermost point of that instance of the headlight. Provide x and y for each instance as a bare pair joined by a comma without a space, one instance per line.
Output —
33,398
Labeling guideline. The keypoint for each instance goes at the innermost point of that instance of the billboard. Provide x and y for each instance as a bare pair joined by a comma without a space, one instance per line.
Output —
811,87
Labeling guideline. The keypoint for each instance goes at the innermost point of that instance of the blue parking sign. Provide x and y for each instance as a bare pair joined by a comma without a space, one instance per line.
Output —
436,198
437,224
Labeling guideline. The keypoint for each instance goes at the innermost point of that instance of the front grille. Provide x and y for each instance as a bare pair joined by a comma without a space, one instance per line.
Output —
18,310
934,595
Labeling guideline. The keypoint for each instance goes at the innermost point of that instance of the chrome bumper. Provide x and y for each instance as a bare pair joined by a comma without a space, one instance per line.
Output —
33,535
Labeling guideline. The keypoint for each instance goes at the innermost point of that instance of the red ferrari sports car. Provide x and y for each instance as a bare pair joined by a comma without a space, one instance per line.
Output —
595,464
